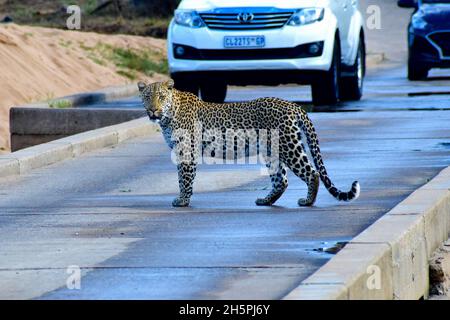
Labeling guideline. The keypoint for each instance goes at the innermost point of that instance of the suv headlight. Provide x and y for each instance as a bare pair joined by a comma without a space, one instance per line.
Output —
188,18
417,22
306,16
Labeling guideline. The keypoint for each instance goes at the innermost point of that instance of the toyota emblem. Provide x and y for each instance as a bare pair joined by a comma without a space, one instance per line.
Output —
245,17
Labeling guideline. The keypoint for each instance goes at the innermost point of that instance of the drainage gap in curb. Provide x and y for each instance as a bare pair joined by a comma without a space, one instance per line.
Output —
428,93
333,248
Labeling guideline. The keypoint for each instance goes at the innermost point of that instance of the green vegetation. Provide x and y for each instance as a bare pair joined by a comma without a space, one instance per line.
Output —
97,60
132,75
60,104
64,43
158,8
129,61
139,17
144,61
22,12
87,6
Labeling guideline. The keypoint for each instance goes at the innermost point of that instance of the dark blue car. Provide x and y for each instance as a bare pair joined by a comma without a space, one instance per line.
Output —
428,36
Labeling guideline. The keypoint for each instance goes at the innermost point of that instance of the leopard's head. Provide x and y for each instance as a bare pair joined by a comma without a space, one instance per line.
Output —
157,98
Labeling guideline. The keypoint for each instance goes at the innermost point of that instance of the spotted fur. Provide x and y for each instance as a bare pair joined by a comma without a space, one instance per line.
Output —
181,110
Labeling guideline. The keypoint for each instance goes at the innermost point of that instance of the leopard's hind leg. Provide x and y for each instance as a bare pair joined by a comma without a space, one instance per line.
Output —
278,177
298,162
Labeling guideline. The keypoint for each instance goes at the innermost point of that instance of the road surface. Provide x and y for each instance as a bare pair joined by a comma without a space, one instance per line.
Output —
109,212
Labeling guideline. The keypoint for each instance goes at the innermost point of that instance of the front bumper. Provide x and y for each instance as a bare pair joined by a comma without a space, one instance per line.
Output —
249,77
286,38
424,51
309,50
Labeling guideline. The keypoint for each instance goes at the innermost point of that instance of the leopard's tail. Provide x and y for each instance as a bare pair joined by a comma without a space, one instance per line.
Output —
313,144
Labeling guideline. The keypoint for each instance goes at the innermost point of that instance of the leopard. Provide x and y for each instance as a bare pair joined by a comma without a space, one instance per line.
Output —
177,110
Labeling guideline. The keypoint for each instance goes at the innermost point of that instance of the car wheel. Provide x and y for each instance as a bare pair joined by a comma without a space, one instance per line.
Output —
186,84
416,72
352,87
213,92
325,89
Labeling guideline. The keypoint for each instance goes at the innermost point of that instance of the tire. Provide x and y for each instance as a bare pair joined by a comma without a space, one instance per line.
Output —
351,88
213,92
325,89
186,84
416,72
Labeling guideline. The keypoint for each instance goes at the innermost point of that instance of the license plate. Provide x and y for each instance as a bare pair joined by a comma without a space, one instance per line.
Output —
244,42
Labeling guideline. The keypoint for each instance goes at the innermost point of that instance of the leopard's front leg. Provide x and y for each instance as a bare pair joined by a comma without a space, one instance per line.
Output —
186,175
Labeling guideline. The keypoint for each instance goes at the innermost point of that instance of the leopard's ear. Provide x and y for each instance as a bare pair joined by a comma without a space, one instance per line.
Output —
141,86
169,83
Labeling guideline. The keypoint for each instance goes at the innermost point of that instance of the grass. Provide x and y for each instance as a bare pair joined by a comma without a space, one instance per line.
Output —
48,13
22,12
60,104
144,61
129,62
27,34
97,60
128,74
86,6
161,22
64,43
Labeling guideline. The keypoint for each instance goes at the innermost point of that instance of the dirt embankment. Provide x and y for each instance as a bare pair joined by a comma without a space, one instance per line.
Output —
39,64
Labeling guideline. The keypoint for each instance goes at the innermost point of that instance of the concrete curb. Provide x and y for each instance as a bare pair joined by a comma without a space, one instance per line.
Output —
34,126
390,259
106,94
73,146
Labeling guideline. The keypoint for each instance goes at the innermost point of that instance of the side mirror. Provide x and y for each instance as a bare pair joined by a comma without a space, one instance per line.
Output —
407,3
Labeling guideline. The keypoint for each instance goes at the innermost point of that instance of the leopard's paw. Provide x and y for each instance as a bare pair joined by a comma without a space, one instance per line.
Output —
263,202
305,203
180,202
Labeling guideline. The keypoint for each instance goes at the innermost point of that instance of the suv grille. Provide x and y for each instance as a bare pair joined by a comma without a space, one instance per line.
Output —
442,40
246,18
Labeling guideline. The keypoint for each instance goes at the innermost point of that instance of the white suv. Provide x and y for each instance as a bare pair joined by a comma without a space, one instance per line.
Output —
215,43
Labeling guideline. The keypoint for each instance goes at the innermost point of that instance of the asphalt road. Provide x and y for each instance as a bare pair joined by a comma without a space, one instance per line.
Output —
109,212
